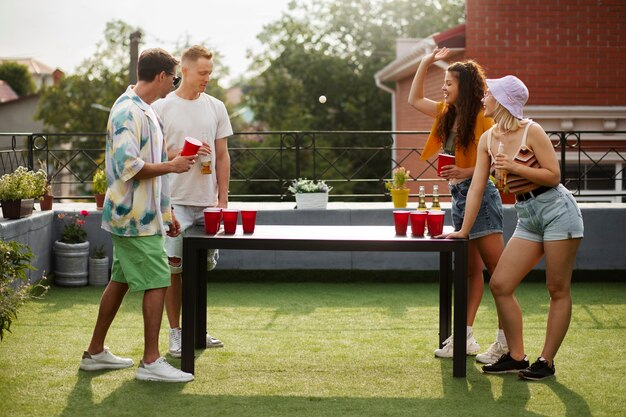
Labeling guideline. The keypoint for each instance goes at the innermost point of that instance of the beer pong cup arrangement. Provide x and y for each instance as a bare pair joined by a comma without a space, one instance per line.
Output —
418,223
401,221
443,160
212,218
229,217
248,220
190,147
435,222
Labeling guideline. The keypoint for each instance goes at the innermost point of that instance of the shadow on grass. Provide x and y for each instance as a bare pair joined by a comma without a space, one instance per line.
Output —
461,397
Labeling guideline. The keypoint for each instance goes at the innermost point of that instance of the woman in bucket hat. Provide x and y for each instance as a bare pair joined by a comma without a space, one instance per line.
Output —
549,223
459,123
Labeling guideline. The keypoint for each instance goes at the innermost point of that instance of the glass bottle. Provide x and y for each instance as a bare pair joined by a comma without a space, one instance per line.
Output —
422,199
500,174
435,205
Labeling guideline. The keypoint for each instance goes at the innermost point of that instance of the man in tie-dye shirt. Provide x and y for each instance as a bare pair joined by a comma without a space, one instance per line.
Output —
137,213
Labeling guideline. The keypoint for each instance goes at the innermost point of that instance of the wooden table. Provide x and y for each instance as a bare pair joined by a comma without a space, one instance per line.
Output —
452,263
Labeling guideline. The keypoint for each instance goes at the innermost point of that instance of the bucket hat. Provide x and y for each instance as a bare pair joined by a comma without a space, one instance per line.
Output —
510,92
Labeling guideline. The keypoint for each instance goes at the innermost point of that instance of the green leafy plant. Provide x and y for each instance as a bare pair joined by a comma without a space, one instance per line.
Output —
73,231
15,290
23,184
99,252
302,185
398,182
99,182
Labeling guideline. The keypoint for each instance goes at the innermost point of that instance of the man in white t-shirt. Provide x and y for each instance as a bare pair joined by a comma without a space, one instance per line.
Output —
189,111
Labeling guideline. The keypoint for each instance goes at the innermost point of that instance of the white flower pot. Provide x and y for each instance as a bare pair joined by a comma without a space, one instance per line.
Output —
311,201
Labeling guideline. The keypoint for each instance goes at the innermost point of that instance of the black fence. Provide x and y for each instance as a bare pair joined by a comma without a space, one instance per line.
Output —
355,163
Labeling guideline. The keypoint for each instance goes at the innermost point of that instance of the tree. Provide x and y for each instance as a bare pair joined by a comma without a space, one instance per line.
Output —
335,48
325,47
18,77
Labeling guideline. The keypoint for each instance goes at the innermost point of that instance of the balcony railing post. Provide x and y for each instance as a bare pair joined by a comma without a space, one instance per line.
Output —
31,150
298,140
563,142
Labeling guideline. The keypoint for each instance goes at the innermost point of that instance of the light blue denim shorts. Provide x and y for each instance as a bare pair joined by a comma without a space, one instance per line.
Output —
553,215
489,218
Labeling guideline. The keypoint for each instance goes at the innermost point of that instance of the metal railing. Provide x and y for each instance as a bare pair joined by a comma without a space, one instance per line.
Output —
355,163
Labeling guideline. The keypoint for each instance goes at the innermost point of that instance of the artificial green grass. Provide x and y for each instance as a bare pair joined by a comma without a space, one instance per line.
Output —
313,349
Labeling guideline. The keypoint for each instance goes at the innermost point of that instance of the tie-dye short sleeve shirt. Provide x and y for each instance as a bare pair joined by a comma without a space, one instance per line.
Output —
134,207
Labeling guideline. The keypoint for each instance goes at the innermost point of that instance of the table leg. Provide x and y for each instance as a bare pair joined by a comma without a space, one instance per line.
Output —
445,296
201,279
190,254
460,311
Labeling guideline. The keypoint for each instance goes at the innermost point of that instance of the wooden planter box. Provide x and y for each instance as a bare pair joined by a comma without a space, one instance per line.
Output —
15,209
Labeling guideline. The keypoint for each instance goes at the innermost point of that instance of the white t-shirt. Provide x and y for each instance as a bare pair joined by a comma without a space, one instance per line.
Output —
205,119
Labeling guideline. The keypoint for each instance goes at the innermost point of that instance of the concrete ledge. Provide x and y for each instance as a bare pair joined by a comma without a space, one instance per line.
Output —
600,250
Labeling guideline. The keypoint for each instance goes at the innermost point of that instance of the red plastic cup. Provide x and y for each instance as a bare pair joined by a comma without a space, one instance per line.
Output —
418,223
435,222
401,221
443,160
212,218
190,147
248,220
229,216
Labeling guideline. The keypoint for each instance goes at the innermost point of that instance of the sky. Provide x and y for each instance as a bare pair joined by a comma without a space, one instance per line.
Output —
62,33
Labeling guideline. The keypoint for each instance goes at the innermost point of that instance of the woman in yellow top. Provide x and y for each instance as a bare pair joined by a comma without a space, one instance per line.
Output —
459,124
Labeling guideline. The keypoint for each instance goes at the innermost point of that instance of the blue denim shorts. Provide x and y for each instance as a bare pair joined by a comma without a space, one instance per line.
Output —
553,215
489,218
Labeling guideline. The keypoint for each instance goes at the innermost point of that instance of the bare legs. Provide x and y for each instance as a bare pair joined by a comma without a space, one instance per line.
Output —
518,258
485,250
173,300
110,303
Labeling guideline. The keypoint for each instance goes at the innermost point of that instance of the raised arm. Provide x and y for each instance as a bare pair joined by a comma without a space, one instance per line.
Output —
416,95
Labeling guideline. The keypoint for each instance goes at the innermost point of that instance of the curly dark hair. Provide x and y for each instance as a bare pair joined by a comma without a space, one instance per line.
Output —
471,77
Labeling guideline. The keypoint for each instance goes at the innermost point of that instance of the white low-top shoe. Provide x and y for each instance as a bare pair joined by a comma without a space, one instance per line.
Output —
103,360
162,371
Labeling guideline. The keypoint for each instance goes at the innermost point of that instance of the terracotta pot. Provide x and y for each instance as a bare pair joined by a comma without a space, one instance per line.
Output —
99,201
45,202
400,198
15,209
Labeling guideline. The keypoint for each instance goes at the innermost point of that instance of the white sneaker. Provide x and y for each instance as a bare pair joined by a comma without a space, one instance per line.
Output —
212,342
211,259
447,350
103,360
493,353
175,344
162,371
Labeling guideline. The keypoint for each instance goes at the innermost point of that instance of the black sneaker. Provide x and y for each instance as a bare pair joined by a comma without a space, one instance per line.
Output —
506,364
538,370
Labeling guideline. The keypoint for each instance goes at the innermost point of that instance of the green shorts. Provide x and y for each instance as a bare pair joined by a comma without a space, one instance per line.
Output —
140,262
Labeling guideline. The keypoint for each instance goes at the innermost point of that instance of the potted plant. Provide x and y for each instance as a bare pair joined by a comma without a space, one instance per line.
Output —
98,266
46,201
19,190
310,194
99,188
71,252
397,187
15,290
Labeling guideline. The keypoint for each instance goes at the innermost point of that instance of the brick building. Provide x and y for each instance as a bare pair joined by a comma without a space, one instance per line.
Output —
570,54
